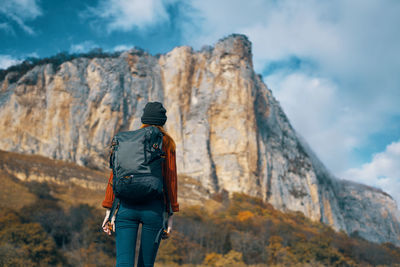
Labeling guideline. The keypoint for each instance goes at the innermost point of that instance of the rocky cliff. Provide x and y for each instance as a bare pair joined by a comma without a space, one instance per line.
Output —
230,131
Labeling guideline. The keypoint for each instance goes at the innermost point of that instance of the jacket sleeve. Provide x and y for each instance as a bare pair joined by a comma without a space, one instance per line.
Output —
109,197
171,179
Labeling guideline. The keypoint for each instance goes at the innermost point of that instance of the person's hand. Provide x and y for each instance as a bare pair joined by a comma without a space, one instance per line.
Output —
167,232
170,221
107,225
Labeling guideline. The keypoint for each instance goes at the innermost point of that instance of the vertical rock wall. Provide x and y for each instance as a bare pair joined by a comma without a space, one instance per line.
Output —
230,131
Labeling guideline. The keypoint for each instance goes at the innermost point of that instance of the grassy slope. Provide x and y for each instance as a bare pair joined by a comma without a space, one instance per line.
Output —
62,187
16,193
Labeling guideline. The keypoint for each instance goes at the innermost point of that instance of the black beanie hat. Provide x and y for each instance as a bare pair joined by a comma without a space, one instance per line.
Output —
154,113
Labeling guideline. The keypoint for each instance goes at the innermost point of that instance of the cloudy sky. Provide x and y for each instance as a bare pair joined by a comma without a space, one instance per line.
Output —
333,65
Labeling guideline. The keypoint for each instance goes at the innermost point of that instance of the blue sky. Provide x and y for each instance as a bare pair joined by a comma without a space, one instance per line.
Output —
333,65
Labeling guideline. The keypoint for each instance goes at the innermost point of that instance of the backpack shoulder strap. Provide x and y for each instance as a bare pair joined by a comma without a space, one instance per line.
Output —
114,207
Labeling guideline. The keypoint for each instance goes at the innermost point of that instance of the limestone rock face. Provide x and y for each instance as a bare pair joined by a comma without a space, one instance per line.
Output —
230,131
357,201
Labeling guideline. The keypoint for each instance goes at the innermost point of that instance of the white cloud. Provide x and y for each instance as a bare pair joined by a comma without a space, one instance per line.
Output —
20,11
276,28
313,107
7,61
32,54
7,28
383,171
352,89
125,15
122,47
83,47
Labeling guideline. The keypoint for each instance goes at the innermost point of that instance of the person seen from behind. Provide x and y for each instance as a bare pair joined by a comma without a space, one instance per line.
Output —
155,214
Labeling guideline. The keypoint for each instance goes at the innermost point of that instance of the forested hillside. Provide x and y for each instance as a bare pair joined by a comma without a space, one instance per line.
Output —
47,224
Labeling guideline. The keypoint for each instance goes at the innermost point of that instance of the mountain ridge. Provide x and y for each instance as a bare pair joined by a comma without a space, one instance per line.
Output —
231,133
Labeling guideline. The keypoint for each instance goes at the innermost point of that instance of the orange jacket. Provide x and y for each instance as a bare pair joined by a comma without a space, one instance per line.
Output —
169,174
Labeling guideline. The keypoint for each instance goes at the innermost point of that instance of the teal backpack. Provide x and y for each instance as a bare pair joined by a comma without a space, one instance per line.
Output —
136,161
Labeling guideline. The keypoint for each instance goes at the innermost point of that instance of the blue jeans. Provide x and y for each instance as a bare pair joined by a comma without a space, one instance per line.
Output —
126,227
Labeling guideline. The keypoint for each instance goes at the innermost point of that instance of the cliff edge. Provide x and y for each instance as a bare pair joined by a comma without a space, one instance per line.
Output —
231,133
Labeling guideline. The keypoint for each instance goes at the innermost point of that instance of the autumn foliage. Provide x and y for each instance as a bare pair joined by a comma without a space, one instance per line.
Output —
44,234
244,231
240,231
